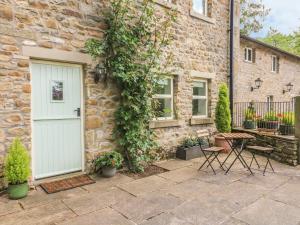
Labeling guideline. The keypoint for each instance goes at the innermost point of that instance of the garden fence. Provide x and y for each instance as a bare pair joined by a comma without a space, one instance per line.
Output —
276,116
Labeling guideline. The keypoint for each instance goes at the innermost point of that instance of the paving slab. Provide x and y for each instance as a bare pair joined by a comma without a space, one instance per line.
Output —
94,201
165,219
51,213
7,206
103,184
220,178
234,221
173,164
145,185
267,211
288,193
105,216
39,197
181,174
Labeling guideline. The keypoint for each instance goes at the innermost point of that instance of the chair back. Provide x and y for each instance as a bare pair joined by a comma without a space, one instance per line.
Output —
204,134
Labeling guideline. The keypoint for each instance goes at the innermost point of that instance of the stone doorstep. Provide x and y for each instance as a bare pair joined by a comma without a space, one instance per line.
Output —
56,178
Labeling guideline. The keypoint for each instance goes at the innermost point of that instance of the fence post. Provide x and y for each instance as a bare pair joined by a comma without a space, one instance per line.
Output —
297,123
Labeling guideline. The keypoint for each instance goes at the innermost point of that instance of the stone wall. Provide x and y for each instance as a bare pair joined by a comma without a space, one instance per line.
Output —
273,83
285,148
200,49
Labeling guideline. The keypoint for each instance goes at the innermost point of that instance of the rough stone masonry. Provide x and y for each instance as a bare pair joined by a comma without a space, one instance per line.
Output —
200,49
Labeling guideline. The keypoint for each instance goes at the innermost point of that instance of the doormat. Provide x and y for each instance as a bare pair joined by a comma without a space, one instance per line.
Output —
66,184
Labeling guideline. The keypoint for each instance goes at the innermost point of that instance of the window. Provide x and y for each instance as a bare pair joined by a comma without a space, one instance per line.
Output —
275,64
248,54
57,91
270,105
164,99
200,6
200,101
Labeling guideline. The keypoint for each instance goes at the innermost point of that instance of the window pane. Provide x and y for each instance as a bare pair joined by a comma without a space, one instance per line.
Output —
199,89
249,55
199,6
199,107
57,90
163,107
245,54
164,87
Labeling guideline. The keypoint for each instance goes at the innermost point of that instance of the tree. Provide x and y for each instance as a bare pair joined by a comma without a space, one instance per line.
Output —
253,13
289,42
223,117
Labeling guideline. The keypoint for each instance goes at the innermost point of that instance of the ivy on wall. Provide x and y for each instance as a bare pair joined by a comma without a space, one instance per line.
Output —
133,52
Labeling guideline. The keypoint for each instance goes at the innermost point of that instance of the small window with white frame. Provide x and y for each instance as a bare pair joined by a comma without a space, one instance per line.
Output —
248,55
164,99
201,7
200,98
275,63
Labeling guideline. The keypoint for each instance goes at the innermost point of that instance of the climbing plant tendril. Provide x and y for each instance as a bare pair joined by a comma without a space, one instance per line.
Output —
133,50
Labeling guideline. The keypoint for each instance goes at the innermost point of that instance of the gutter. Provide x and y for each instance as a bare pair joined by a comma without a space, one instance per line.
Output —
231,57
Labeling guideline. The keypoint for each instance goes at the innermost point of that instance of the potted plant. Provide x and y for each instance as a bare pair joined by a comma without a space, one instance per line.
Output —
223,117
108,163
17,170
288,124
271,120
189,149
249,122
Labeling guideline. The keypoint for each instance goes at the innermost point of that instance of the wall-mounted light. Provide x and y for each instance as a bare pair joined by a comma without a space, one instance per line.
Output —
289,87
99,73
258,83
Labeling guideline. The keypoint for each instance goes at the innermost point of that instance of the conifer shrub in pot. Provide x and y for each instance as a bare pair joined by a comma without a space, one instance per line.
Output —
108,163
288,124
249,122
223,117
17,170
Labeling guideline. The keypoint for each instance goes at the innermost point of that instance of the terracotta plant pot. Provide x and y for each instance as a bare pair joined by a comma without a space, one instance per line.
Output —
221,142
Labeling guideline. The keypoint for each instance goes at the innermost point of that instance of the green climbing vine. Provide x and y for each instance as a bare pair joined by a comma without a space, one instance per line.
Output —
133,50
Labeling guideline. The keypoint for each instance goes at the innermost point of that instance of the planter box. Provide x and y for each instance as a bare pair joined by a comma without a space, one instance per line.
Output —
286,129
249,124
188,153
273,125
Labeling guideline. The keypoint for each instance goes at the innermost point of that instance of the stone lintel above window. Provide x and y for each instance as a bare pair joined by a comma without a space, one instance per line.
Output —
166,4
154,124
202,75
202,17
201,121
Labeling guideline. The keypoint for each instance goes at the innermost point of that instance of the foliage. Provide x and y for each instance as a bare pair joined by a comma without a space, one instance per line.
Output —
133,52
17,163
286,42
111,159
271,116
223,117
253,13
193,141
288,118
250,114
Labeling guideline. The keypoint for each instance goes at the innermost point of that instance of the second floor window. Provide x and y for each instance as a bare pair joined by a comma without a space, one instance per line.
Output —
248,54
164,99
200,101
275,64
200,6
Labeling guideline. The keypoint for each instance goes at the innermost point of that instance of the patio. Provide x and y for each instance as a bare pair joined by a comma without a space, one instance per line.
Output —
182,196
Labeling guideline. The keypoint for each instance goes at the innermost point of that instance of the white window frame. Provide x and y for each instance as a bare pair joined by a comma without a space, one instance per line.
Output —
167,96
201,97
205,9
246,56
274,68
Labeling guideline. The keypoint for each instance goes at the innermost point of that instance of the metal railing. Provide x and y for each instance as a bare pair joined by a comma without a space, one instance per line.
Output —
275,116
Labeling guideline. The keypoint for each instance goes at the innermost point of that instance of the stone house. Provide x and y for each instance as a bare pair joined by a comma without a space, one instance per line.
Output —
48,96
275,67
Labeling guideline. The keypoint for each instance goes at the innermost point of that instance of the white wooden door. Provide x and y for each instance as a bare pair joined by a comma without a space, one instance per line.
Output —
56,109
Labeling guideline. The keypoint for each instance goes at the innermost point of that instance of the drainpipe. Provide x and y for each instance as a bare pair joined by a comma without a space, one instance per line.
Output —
231,57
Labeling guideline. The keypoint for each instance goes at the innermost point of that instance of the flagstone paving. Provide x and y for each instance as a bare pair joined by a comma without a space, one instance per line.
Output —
181,196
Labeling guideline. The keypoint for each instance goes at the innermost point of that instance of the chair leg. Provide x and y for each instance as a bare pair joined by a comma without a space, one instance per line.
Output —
268,162
207,161
256,162
217,154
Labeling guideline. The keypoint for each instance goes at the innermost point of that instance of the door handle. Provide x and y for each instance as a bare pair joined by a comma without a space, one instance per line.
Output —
78,111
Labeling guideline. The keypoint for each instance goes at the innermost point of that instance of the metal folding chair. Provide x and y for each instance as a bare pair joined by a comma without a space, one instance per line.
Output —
210,153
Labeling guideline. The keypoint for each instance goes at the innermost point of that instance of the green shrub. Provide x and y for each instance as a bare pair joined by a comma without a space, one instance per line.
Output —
250,114
111,159
271,116
288,118
194,141
223,117
17,163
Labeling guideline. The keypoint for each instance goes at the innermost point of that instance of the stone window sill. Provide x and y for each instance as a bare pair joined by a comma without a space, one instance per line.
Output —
201,121
202,17
164,123
166,4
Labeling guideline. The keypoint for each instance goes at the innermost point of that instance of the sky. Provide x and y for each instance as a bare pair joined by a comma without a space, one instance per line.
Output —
284,16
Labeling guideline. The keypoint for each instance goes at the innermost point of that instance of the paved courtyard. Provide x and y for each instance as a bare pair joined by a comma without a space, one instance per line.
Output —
182,196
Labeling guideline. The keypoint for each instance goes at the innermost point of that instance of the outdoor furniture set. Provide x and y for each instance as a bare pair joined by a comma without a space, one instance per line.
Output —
237,143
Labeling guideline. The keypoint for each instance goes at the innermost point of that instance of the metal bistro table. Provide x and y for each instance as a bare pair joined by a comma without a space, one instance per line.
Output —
234,140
